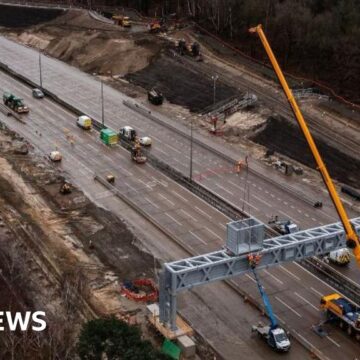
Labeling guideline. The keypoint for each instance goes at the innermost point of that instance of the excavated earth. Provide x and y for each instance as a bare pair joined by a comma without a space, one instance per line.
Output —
134,61
59,252
290,142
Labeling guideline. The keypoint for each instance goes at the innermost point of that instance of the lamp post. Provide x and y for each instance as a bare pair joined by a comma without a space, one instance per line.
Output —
40,70
214,78
191,148
102,105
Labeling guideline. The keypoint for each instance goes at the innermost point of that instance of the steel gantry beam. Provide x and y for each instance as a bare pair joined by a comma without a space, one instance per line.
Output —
233,260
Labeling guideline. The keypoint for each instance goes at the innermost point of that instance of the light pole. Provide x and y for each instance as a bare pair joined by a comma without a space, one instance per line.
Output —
102,105
214,78
191,148
40,71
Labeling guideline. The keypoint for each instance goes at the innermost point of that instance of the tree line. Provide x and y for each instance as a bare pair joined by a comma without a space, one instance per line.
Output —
318,39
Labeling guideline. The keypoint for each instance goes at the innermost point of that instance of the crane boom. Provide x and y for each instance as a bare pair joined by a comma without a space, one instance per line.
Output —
351,236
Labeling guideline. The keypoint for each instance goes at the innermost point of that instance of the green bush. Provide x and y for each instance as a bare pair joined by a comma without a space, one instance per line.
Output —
115,339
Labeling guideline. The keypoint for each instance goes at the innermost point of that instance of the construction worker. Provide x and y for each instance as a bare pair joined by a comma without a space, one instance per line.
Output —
254,260
238,166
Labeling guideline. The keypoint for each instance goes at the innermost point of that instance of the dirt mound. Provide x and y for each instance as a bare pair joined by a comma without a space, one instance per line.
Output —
286,138
181,84
91,45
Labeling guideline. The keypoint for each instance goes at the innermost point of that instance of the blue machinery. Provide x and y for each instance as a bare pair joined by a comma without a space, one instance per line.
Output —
266,302
244,237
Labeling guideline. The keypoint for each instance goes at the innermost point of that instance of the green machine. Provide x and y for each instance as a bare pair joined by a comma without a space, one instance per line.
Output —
108,137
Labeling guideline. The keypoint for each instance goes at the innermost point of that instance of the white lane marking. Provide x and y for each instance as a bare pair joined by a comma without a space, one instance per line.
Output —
313,219
172,218
221,187
288,306
263,201
307,301
247,203
222,225
307,341
165,198
286,203
171,147
151,202
316,292
333,341
199,238
179,196
203,212
290,217
156,138
290,273
131,187
307,215
274,277
93,147
108,158
237,186
189,216
318,279
216,235
144,183
253,280
260,188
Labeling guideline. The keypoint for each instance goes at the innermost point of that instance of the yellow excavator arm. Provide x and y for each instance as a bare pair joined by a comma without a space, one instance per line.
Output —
352,238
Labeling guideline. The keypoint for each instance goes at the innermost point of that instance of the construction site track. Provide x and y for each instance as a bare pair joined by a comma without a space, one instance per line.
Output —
36,247
349,144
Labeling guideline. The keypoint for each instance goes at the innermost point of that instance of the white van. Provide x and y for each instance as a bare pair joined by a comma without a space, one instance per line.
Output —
84,122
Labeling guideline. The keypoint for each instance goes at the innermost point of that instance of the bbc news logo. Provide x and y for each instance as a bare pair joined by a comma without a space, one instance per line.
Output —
22,321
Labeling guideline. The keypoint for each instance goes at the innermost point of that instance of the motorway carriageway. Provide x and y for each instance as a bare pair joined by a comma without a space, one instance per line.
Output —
266,198
294,292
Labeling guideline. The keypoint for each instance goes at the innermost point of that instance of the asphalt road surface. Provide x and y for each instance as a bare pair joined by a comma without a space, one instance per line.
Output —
254,194
293,291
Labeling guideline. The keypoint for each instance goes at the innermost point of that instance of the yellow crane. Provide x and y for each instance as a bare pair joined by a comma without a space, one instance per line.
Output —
353,241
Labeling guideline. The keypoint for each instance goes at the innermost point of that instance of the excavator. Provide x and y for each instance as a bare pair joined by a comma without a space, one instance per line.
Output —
352,239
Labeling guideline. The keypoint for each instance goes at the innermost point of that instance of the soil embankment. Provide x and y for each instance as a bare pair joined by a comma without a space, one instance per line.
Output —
284,137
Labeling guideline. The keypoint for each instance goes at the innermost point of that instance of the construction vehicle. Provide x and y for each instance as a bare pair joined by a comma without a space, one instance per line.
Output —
55,156
121,20
137,154
110,178
65,188
339,257
84,122
342,312
155,97
128,134
283,226
274,335
15,103
188,49
155,27
352,239
108,137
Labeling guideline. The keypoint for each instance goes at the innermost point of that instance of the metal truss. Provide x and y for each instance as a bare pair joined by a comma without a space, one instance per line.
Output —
219,265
